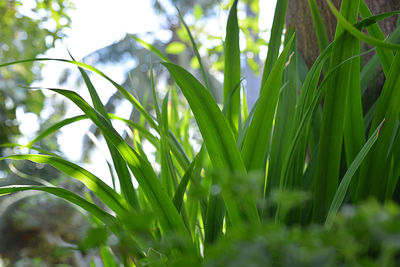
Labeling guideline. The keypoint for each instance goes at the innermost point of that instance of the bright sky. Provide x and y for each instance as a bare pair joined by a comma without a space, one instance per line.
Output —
96,24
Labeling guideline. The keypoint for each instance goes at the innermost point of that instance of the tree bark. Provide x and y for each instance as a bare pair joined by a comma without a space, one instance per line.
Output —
298,14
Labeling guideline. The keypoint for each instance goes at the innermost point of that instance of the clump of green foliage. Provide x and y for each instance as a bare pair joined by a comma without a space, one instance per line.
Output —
290,160
364,236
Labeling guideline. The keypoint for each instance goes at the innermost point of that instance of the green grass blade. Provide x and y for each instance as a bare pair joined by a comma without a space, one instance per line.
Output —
394,168
275,40
105,193
38,149
216,132
322,36
128,96
160,202
124,176
257,139
354,131
331,134
196,52
167,170
344,184
215,218
284,119
371,181
385,56
214,128
56,127
180,191
232,68
143,131
308,102
66,195
244,109
360,35
151,48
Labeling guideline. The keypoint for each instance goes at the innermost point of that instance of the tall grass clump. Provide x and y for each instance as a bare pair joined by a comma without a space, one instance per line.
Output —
306,148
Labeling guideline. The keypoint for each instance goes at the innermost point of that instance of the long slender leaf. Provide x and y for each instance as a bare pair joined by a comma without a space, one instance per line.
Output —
66,195
257,139
196,52
232,68
322,36
360,35
151,48
344,184
121,89
385,56
371,181
124,176
331,135
215,130
180,191
284,119
106,194
275,39
141,169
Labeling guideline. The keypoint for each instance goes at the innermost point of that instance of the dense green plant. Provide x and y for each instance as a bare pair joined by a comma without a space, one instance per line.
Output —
284,161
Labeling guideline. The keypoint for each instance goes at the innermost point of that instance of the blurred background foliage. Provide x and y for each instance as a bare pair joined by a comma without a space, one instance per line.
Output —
28,29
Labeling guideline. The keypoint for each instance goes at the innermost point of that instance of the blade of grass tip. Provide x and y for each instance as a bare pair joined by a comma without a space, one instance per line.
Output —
161,204
232,67
216,132
348,26
152,48
56,127
106,194
344,184
196,52
123,174
275,40
333,117
257,139
180,191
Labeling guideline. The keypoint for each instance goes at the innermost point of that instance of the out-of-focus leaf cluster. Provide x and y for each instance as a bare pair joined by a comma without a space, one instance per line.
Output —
27,31
366,235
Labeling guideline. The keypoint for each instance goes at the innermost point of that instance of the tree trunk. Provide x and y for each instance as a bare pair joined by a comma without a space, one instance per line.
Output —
298,14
